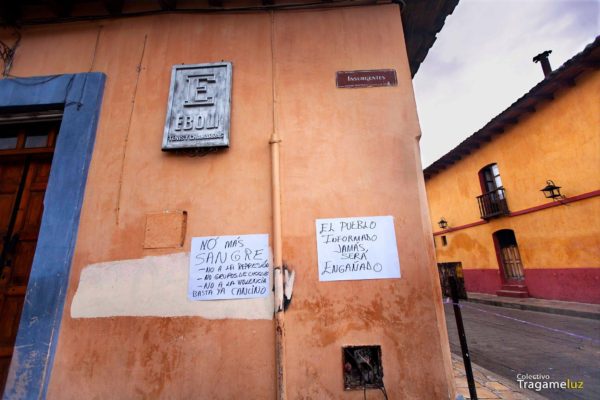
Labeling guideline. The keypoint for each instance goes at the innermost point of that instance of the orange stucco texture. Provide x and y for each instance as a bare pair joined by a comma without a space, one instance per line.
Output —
344,152
165,229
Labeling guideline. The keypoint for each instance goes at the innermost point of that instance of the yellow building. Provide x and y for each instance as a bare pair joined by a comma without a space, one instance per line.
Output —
487,208
312,110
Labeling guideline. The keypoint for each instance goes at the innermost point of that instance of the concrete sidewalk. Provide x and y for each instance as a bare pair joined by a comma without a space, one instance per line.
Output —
487,384
582,310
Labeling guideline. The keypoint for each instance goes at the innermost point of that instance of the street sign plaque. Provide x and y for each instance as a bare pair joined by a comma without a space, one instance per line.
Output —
366,78
198,112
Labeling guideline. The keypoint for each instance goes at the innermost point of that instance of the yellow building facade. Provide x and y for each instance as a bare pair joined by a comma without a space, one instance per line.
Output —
487,208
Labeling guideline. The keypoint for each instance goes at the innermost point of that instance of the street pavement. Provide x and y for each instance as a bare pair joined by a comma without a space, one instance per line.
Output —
547,347
489,386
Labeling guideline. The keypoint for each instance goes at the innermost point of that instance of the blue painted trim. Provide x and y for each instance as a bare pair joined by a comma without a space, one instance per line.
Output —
81,95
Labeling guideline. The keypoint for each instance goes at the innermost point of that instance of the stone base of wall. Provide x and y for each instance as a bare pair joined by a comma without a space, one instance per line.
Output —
569,284
482,280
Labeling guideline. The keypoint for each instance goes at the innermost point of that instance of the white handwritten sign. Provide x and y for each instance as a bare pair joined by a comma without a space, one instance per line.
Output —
357,248
229,267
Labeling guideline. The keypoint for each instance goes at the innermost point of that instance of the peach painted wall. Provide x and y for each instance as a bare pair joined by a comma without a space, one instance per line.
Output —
344,152
360,149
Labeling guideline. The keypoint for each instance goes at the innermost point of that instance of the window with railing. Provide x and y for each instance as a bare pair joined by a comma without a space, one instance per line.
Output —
492,203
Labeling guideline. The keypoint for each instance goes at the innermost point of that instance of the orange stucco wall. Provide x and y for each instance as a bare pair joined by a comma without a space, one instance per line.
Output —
351,142
349,152
561,142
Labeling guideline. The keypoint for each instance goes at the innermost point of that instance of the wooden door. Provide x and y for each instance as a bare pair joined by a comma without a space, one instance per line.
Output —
509,257
511,263
24,172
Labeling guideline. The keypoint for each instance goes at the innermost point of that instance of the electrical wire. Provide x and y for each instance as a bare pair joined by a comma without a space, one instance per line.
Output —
7,53
382,388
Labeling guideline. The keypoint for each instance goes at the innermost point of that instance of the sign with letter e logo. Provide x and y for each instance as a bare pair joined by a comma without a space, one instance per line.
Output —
357,248
198,112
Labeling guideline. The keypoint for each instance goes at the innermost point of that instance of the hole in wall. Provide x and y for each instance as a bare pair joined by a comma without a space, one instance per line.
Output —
362,367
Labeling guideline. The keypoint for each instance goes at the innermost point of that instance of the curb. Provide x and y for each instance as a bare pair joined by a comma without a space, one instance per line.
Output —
515,391
533,307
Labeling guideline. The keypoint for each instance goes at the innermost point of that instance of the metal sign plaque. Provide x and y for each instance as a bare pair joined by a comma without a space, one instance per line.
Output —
369,78
198,112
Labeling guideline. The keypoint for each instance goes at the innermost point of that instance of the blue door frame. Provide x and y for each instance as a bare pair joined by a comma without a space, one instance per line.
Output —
81,96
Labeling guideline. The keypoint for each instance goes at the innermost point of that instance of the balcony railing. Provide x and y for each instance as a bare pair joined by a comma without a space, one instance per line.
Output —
493,204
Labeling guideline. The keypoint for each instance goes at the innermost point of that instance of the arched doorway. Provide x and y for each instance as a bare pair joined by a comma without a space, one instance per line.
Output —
510,264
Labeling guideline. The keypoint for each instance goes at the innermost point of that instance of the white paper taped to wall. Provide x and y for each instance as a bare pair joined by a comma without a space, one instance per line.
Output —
154,286
229,267
357,248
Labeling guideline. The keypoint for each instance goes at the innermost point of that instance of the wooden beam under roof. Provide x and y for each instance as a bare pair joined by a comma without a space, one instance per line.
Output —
215,3
10,12
544,96
62,8
114,7
167,5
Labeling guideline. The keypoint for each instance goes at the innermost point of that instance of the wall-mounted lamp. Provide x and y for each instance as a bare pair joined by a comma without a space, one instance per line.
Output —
443,223
551,191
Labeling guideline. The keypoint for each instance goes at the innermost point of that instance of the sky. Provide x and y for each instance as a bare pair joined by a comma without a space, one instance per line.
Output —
481,62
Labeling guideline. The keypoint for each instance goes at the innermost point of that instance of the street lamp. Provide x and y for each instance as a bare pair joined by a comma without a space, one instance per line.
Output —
551,191
443,223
